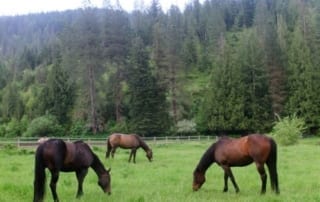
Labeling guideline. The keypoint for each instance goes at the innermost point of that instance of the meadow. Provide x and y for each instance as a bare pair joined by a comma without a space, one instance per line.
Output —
169,176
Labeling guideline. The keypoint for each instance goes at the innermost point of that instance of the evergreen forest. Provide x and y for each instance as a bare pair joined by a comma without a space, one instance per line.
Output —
221,66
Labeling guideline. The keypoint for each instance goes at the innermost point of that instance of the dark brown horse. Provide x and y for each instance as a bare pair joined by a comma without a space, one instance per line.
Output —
228,152
127,141
57,155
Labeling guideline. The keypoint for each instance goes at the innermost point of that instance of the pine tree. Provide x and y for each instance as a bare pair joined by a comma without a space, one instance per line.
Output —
86,45
223,106
59,94
148,109
11,103
252,61
266,26
303,80
116,49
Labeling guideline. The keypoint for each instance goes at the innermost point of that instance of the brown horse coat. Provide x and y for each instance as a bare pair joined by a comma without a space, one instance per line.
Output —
228,152
127,141
124,141
249,150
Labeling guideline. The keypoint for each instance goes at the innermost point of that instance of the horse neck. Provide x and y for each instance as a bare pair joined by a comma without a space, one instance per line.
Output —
207,159
143,145
97,166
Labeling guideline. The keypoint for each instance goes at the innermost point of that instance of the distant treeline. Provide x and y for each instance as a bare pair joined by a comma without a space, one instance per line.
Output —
222,66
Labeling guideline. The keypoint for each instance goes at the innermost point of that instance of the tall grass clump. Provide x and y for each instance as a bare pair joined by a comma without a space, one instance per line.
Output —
288,130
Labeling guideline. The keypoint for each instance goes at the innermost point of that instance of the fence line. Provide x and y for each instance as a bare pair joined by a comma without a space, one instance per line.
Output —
101,141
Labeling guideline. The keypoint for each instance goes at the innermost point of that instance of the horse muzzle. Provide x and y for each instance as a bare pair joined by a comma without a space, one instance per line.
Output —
195,187
107,191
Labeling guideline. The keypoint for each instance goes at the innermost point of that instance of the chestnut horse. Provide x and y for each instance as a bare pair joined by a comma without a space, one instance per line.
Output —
228,152
127,141
57,155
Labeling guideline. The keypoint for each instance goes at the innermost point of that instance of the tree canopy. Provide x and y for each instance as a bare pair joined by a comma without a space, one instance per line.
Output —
220,66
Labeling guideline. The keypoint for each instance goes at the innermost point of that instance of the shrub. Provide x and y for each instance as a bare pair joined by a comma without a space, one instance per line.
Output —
2,130
121,127
78,129
14,128
186,127
46,125
288,130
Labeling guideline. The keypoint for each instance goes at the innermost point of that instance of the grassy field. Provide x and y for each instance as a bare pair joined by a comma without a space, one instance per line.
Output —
169,176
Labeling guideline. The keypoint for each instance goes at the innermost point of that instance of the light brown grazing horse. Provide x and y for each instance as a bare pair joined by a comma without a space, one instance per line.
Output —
228,152
127,141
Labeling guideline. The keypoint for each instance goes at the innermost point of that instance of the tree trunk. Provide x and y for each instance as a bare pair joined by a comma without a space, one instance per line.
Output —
93,117
174,92
118,97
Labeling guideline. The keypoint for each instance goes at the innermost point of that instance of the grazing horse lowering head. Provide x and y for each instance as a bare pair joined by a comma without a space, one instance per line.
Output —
105,182
198,180
58,155
233,152
127,141
149,155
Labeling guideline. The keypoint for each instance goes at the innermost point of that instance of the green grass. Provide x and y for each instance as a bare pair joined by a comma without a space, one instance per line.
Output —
169,176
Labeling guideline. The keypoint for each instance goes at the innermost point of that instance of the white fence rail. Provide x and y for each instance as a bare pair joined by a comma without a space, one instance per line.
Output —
101,141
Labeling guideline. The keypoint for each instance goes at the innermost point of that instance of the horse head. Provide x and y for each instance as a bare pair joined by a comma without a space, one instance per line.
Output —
149,155
105,182
198,180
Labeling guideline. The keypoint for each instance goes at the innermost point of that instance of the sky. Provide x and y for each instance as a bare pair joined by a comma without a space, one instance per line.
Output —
20,7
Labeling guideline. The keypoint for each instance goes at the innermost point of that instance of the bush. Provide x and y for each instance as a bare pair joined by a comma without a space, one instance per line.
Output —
13,128
288,130
186,127
121,127
2,130
78,129
46,125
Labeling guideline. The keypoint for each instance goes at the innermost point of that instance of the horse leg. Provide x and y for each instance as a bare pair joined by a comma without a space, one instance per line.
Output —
113,150
108,152
130,156
263,176
273,177
81,174
53,184
228,172
225,189
134,155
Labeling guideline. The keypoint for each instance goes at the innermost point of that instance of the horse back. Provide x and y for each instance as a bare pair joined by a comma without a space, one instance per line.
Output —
125,141
259,147
78,155
242,151
70,154
52,153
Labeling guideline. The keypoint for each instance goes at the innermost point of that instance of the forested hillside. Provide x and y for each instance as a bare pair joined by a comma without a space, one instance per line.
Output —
220,66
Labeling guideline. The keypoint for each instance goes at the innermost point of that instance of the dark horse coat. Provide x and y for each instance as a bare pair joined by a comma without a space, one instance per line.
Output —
57,155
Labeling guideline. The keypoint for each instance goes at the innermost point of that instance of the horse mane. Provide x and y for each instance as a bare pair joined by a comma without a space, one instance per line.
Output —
207,159
78,141
96,165
144,145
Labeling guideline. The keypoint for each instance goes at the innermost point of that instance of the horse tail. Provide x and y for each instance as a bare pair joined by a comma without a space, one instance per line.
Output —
109,147
39,176
272,166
